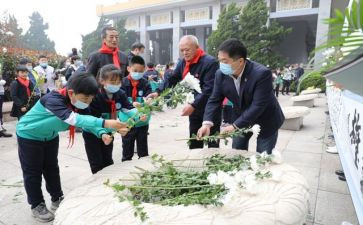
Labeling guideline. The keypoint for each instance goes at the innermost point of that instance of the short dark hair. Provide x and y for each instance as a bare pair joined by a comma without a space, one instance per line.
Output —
42,56
83,83
137,60
150,65
74,58
21,68
105,29
137,45
109,72
24,61
234,48
170,64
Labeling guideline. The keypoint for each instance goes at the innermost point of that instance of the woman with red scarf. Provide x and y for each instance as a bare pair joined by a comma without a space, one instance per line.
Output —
21,90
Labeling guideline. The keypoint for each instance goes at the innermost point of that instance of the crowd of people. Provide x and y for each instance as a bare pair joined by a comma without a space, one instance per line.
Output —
99,94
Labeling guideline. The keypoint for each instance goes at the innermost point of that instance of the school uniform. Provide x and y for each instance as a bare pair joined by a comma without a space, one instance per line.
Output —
100,155
22,97
38,142
140,131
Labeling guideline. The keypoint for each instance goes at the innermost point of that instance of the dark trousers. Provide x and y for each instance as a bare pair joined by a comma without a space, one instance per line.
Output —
227,114
263,144
1,109
39,158
138,134
99,155
285,86
194,124
277,89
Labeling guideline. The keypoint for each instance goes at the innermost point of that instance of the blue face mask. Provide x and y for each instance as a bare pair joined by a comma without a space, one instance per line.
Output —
30,68
112,88
136,75
226,68
80,105
44,64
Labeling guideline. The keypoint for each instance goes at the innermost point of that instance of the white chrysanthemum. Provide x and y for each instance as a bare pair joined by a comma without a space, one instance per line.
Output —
256,129
191,82
253,161
276,157
189,98
212,178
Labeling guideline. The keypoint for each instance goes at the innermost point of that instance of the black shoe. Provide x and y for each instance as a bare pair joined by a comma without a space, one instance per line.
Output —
339,172
342,178
3,128
4,134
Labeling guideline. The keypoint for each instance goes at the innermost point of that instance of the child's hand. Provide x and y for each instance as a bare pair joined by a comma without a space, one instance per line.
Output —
23,109
148,101
136,104
153,95
143,118
114,124
123,131
107,139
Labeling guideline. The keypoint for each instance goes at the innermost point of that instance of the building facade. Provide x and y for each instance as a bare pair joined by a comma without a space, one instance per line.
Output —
161,23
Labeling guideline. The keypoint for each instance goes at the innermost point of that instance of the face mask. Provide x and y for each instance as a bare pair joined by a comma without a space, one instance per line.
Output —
112,88
80,105
226,68
136,75
44,64
78,63
30,68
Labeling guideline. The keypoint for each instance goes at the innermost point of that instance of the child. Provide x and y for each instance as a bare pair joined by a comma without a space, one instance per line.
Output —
109,101
136,88
277,82
21,91
38,139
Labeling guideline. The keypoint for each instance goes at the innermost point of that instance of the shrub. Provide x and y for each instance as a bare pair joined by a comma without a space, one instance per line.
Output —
312,79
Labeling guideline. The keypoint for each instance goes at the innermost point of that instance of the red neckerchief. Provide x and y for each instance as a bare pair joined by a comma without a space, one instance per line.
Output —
134,84
72,129
25,83
195,60
112,104
106,50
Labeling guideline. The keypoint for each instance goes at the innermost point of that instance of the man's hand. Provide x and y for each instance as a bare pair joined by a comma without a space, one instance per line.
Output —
203,131
114,124
187,110
107,139
228,129
136,104
123,131
23,109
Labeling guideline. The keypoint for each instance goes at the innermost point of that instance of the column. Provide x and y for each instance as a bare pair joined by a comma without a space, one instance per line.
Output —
199,33
322,30
144,38
176,34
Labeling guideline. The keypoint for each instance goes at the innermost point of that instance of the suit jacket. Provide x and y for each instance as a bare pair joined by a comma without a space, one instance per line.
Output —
256,104
97,60
205,71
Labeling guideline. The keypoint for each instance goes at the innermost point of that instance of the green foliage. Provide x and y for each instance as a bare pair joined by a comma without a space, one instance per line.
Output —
93,41
252,28
36,38
313,79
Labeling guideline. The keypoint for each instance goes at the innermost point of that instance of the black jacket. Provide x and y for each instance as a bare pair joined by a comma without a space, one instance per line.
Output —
205,71
256,104
97,60
154,73
20,98
143,88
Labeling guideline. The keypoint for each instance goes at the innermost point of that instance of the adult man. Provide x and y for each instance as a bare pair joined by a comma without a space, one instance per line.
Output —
203,67
109,53
46,72
137,48
248,85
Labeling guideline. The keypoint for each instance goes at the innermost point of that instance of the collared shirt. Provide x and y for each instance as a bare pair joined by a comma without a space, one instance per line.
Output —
237,81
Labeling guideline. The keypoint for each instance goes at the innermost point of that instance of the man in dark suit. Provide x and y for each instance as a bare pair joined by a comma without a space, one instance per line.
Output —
248,85
109,53
202,66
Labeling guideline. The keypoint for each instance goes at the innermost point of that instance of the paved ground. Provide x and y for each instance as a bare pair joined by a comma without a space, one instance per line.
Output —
330,200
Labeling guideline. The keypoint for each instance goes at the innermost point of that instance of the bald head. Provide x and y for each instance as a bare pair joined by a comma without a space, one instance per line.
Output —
188,46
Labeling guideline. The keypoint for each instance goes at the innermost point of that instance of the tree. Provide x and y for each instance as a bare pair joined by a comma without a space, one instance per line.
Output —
253,27
36,38
227,28
13,27
92,41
